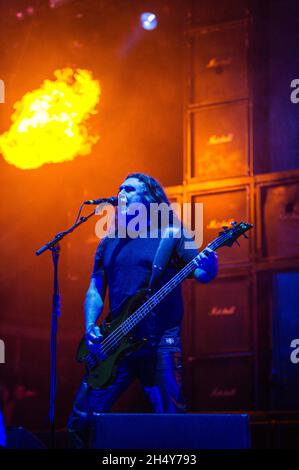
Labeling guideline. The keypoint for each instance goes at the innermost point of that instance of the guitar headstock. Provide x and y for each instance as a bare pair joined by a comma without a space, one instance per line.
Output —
230,235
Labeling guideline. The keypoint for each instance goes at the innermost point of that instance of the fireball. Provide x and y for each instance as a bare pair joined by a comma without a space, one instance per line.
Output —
49,124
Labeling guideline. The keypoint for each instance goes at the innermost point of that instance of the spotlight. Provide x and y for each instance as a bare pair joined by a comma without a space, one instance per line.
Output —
148,21
20,15
30,10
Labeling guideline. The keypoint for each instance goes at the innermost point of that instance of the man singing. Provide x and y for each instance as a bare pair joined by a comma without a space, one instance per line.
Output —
125,265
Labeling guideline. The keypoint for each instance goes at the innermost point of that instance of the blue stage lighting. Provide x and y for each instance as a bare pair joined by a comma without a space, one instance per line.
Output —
148,21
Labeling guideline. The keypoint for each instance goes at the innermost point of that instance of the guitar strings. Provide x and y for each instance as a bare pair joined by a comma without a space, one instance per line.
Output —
129,323
111,341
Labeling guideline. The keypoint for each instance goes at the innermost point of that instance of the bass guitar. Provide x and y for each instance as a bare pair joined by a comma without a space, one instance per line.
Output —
117,341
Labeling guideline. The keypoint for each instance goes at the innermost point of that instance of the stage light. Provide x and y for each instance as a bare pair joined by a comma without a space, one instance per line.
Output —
30,10
20,15
148,21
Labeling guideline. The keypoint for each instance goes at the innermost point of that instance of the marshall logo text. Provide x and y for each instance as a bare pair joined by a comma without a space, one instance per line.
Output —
218,392
222,311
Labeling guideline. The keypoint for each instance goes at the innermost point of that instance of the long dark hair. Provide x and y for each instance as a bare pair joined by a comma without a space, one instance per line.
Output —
154,190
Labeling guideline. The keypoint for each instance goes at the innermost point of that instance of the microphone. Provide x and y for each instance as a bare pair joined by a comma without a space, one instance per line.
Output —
108,200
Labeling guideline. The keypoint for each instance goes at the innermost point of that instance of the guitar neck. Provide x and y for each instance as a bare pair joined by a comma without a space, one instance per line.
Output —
155,299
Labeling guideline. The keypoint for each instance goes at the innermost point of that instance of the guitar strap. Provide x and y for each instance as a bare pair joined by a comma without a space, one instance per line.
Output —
162,256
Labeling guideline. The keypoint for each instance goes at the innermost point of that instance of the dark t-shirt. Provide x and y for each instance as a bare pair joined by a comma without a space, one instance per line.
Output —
126,266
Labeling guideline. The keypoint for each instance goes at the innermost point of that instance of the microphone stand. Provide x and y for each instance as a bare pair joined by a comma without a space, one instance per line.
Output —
54,246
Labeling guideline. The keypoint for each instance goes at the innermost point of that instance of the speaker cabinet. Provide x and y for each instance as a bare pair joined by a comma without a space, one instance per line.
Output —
221,316
219,64
221,383
278,298
219,141
219,209
280,220
202,12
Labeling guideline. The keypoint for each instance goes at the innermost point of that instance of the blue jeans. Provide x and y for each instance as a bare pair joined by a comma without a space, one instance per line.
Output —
160,373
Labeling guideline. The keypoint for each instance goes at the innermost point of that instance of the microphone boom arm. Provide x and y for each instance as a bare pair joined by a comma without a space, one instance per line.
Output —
59,236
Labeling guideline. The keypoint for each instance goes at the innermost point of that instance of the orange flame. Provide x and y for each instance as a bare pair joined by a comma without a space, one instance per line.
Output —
49,124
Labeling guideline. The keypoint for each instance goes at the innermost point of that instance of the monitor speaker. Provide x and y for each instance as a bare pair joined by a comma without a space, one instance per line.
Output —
171,431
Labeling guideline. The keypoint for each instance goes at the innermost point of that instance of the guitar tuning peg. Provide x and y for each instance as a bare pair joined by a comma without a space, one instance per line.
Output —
225,228
245,236
234,223
236,241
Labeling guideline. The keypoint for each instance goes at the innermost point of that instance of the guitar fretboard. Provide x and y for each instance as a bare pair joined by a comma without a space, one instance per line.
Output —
156,298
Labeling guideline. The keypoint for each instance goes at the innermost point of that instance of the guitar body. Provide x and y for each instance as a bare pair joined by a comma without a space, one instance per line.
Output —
102,373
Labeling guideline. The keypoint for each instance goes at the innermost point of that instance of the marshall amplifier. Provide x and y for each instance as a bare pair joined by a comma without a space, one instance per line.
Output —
219,141
219,209
279,303
221,316
202,12
280,220
219,64
221,383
